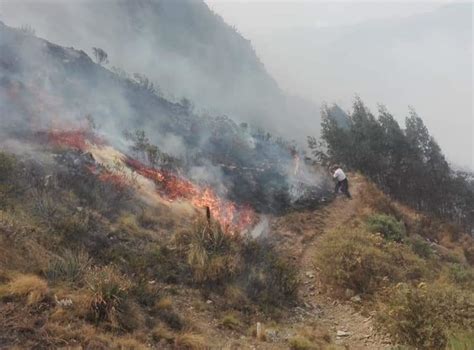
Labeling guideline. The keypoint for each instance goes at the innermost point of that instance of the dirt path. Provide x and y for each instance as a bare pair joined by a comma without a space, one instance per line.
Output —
348,326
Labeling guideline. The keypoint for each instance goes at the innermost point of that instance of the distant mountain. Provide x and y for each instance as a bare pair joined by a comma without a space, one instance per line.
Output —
180,45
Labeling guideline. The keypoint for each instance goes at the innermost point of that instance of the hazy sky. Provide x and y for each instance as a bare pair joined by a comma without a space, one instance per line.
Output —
437,82
255,16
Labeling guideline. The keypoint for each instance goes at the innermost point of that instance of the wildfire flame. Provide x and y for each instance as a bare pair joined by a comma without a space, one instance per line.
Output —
77,139
169,186
173,187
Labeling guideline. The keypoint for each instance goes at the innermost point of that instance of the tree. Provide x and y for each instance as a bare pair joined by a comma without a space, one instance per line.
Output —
100,55
408,164
145,83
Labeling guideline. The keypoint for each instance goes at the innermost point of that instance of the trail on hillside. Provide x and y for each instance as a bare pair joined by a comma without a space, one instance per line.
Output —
300,235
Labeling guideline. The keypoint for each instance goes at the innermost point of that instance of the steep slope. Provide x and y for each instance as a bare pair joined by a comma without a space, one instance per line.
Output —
45,87
182,46
350,317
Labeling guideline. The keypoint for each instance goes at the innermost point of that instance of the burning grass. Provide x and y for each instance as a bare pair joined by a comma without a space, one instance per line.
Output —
77,138
175,188
169,185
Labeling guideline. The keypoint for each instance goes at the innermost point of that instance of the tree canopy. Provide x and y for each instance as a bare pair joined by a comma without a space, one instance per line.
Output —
406,163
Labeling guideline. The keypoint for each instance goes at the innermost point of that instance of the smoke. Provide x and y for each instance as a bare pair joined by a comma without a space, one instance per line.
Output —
47,87
182,47
261,229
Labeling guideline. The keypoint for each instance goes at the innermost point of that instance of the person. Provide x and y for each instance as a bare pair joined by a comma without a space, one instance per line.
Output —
341,181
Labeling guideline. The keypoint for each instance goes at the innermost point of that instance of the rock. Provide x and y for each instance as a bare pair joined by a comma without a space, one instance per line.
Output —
271,335
259,331
356,299
349,293
342,333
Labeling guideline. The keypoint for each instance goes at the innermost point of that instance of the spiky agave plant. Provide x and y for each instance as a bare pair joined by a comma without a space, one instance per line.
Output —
211,252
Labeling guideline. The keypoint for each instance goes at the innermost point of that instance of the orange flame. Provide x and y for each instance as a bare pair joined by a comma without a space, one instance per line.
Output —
174,188
170,186
73,138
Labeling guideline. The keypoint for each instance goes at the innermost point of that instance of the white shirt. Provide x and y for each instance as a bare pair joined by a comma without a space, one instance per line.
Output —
339,174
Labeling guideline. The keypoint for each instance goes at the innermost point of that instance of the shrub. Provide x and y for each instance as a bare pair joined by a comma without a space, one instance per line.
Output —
235,297
211,253
30,286
190,341
424,316
420,247
160,332
73,227
165,303
468,250
462,275
230,321
110,290
388,226
131,316
461,341
144,293
7,171
171,318
269,279
301,343
363,262
70,267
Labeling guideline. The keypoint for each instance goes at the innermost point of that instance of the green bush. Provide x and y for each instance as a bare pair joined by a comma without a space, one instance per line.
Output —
69,267
461,341
425,316
420,247
363,262
462,275
230,321
388,226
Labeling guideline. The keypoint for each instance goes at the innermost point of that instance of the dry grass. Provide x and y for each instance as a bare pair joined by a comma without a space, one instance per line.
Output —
129,343
235,297
211,253
425,316
110,291
310,338
231,321
32,287
165,303
162,333
190,341
301,343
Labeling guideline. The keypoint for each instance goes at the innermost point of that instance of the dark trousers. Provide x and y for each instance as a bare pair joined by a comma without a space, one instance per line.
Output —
343,186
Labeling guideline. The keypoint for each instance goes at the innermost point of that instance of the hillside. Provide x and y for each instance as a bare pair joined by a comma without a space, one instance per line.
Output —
127,277
185,49
47,87
129,220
